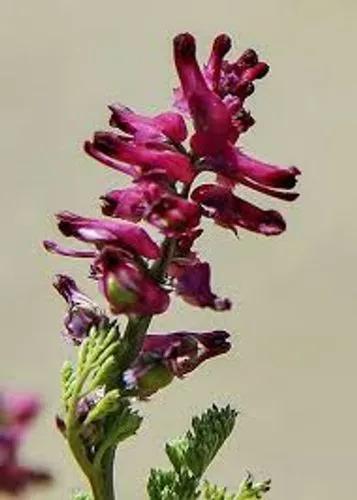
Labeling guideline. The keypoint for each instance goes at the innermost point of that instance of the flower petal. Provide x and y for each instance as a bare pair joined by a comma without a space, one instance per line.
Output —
101,232
193,285
82,312
159,128
212,120
128,289
176,165
230,211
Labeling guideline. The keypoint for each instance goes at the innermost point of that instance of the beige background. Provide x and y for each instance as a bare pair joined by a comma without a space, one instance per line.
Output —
292,370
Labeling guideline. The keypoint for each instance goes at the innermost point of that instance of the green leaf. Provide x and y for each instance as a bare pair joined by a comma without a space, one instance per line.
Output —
124,423
201,444
190,456
167,485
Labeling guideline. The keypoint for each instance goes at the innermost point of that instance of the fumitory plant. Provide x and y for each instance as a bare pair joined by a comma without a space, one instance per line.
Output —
140,271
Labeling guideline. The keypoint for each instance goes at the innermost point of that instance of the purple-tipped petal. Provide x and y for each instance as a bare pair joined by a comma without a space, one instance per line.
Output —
82,312
169,355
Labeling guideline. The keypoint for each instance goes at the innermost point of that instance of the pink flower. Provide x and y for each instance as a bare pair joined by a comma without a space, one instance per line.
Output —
135,159
168,212
132,203
160,128
215,100
17,410
235,166
231,82
127,288
211,118
193,285
101,232
151,150
230,211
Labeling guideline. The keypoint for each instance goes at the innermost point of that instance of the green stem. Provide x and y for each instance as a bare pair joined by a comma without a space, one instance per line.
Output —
138,325
102,480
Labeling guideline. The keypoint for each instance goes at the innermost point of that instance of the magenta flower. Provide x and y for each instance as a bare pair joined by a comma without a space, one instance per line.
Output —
149,201
132,203
230,211
17,410
100,232
166,356
161,128
152,151
214,98
231,82
193,285
233,166
82,312
139,158
211,118
184,351
127,288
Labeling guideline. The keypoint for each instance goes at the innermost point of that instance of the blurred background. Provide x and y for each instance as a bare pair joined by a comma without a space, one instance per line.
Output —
292,370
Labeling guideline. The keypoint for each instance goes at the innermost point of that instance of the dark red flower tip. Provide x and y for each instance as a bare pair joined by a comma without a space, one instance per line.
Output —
248,59
221,45
185,45
256,72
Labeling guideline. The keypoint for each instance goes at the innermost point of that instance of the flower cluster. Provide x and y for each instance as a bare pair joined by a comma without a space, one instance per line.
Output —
137,273
17,410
